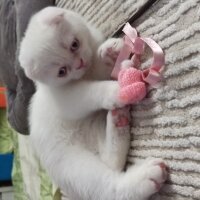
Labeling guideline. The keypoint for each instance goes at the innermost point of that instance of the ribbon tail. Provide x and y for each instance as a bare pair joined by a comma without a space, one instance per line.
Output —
158,55
151,76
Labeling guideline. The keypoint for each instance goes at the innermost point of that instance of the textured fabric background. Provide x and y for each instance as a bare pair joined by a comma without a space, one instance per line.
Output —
107,15
167,123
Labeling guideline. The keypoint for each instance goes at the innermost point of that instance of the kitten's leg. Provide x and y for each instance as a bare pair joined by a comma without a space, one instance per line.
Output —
109,50
117,131
83,176
94,95
117,140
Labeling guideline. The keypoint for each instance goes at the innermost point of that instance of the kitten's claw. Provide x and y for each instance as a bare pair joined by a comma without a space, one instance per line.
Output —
110,49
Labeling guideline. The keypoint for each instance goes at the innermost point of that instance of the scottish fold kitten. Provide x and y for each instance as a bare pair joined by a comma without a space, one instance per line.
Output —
81,143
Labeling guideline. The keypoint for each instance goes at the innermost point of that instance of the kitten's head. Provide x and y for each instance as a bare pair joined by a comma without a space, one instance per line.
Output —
57,47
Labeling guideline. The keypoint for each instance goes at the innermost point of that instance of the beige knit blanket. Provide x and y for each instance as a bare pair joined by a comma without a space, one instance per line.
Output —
167,123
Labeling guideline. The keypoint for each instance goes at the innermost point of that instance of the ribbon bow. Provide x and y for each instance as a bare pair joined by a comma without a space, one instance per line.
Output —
136,45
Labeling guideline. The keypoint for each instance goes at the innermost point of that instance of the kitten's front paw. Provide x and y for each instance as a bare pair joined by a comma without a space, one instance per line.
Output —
145,179
111,99
121,117
110,49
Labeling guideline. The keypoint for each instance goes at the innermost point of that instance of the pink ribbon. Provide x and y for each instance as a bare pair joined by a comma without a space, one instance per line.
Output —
136,45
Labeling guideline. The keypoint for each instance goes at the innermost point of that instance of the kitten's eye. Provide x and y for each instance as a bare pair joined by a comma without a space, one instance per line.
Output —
62,72
75,45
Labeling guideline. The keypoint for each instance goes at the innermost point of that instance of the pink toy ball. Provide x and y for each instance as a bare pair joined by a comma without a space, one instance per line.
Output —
132,88
129,76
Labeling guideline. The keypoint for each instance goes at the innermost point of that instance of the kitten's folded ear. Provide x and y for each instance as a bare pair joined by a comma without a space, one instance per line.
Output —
28,67
52,15
26,61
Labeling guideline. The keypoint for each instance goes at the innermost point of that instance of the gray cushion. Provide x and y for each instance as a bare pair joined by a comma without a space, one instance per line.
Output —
14,17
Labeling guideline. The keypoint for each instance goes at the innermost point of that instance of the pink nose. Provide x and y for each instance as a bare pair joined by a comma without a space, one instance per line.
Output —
81,65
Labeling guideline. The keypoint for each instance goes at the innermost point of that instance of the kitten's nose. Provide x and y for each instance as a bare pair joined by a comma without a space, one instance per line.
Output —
81,65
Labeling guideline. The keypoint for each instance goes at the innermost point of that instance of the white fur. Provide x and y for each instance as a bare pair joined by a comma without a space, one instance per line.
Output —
82,149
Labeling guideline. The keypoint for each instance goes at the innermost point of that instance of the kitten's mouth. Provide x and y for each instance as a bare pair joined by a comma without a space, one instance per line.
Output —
82,64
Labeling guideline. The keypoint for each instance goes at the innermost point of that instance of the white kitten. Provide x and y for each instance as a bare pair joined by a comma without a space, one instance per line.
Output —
83,150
